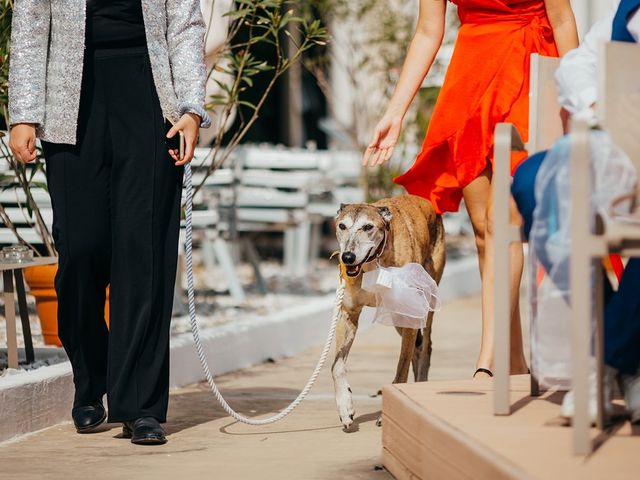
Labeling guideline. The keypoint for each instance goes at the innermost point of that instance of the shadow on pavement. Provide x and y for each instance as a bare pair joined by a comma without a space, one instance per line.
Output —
362,419
195,407
555,398
226,431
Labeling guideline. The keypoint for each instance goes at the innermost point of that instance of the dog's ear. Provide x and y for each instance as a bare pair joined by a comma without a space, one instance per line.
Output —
342,205
386,215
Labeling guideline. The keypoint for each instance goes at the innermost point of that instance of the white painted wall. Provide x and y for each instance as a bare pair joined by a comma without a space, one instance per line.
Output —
588,12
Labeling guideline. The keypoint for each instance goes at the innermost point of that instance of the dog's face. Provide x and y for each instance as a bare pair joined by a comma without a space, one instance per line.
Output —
360,229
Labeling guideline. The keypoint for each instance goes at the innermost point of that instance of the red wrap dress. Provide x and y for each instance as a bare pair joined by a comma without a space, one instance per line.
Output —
487,82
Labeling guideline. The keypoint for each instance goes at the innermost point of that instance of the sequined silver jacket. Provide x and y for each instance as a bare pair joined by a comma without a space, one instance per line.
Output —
47,52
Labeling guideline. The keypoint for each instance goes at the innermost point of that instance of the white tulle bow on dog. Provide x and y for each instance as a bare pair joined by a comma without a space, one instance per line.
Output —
404,295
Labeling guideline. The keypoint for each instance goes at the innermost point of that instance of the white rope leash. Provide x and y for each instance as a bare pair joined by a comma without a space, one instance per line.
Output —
196,334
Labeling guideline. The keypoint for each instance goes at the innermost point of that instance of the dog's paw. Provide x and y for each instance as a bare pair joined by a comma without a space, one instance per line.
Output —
344,401
347,414
347,421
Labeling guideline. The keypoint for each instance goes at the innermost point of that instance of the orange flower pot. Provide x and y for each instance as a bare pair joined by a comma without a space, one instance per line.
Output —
41,284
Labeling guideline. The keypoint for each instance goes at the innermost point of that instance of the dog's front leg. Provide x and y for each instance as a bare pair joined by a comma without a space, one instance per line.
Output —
345,334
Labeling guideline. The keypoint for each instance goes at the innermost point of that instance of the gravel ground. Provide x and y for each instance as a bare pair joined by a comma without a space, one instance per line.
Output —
43,362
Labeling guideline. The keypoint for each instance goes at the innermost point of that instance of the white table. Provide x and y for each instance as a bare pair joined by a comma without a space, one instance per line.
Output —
9,272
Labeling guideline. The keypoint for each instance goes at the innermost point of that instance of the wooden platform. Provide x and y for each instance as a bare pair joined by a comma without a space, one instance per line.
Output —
446,430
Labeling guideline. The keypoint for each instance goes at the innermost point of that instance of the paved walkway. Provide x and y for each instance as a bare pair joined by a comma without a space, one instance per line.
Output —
309,444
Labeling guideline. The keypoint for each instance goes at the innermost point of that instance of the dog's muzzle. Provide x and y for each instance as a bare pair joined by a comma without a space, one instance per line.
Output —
347,259
353,270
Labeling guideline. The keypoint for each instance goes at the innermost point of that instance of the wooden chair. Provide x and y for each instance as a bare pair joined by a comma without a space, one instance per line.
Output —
545,127
619,114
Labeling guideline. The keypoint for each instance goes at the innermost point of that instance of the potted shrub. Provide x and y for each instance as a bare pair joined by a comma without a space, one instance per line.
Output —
233,68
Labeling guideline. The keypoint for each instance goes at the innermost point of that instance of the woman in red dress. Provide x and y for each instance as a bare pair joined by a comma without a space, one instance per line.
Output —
487,82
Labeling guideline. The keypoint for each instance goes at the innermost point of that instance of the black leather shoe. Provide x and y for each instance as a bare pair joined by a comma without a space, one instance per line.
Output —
87,417
144,431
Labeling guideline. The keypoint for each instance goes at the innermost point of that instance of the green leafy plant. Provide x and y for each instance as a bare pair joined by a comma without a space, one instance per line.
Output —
289,30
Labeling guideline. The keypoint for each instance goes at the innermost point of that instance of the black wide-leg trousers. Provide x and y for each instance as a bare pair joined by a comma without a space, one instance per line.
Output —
116,200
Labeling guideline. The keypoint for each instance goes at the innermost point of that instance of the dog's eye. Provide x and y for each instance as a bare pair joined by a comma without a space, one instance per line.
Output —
342,226
367,227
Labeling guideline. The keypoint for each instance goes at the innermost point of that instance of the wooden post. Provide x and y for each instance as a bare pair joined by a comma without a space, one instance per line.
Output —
502,308
580,281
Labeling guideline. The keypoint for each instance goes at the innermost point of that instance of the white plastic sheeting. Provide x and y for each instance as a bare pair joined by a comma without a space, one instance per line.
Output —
612,175
404,295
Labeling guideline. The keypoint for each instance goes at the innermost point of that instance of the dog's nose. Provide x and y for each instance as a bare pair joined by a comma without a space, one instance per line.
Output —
348,258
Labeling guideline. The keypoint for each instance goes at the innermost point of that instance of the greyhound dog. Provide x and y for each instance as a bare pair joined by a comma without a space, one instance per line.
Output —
391,232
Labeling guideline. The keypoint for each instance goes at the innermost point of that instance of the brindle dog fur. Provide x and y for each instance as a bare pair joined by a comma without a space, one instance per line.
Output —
391,232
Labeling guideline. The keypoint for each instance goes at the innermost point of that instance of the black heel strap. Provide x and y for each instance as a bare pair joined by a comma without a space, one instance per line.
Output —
483,370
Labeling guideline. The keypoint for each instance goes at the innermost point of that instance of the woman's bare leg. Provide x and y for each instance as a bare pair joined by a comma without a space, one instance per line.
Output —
477,197
518,363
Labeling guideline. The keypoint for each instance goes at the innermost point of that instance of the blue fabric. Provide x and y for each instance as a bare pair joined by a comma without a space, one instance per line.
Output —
622,322
622,308
523,188
620,32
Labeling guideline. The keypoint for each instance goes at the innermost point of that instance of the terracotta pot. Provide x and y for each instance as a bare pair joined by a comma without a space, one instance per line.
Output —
40,280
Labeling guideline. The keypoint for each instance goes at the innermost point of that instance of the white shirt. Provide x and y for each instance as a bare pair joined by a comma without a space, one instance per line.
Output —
577,78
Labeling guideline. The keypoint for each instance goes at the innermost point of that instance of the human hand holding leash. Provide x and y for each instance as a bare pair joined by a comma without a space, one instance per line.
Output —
384,140
22,142
188,124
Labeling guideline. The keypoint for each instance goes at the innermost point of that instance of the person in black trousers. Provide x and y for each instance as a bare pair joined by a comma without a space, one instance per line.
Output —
115,194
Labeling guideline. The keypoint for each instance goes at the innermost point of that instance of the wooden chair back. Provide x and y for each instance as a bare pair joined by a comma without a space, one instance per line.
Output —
545,126
619,95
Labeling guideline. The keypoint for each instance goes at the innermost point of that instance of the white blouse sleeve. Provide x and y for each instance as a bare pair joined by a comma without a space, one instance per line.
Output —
576,78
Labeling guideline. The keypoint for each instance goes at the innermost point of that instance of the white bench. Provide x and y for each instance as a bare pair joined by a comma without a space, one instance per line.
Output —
294,191
14,201
208,224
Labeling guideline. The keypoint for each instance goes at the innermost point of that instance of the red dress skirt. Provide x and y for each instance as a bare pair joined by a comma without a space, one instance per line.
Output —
487,82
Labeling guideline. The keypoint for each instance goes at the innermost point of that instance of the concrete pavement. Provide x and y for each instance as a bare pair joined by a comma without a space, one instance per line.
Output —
205,443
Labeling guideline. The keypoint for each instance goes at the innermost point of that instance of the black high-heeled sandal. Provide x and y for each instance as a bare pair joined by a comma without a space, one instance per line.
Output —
483,370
